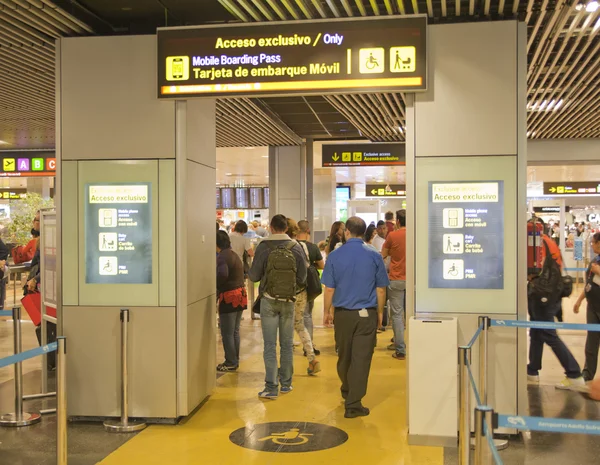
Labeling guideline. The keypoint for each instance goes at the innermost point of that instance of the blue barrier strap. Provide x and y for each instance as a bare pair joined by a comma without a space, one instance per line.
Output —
470,344
543,325
10,360
6,313
490,438
575,269
473,385
552,425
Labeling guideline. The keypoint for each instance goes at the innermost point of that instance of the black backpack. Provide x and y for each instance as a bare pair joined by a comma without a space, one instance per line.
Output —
549,285
281,270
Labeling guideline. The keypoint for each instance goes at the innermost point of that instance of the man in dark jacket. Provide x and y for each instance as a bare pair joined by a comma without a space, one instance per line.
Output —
275,313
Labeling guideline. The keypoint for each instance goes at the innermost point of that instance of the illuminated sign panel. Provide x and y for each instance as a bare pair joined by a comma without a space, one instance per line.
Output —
363,155
571,188
385,190
373,55
27,164
466,235
118,233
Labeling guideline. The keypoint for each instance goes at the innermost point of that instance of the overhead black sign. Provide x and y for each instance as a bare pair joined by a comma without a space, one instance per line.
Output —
385,190
289,436
363,155
28,164
366,55
549,209
571,188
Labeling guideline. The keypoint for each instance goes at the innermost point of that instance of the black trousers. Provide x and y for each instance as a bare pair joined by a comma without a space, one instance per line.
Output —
592,343
355,338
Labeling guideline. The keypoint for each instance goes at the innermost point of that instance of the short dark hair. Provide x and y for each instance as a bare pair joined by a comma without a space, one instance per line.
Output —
218,227
356,226
380,223
223,241
304,226
401,218
279,223
389,216
241,227
596,237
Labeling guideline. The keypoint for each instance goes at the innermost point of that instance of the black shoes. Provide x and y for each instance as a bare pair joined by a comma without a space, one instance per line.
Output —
357,412
315,350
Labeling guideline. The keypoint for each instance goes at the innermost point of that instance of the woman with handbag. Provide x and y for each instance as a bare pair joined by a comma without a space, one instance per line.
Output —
232,301
314,366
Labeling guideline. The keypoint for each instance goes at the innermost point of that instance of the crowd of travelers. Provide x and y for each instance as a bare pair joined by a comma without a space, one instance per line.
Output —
363,284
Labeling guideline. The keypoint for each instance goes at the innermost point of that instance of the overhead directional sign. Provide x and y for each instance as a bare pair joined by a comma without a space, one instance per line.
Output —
363,155
571,188
366,55
385,190
27,164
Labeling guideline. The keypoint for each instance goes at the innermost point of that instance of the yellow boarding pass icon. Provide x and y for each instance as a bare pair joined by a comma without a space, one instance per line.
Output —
178,68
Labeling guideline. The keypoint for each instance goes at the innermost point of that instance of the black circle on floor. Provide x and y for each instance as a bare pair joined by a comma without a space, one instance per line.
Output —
288,436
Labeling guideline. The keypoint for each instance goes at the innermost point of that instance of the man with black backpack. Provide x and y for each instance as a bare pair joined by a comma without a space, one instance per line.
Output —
545,294
280,266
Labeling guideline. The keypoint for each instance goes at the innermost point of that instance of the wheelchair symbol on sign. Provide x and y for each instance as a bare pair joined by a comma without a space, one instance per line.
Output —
293,437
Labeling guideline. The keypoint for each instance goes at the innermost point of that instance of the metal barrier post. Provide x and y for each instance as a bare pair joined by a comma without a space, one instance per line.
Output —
485,323
18,418
464,413
483,454
61,401
124,425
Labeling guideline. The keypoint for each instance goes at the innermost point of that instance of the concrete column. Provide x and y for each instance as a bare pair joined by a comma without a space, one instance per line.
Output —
111,128
287,181
471,126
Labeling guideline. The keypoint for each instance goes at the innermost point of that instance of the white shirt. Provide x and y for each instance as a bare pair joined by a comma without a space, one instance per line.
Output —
239,244
378,242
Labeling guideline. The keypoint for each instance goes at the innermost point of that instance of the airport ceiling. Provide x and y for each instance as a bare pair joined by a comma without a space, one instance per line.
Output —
563,76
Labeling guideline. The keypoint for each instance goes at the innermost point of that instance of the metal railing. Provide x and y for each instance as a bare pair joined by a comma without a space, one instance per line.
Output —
486,448
19,417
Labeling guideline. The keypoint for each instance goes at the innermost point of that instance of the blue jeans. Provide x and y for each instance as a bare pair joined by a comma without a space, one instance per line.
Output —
396,291
308,319
230,334
276,315
540,311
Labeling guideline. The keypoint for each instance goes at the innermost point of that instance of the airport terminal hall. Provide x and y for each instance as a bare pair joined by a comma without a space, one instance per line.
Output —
299,232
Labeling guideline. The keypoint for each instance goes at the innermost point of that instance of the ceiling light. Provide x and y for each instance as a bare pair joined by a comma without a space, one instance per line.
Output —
579,7
2,142
228,174
591,7
400,129
265,156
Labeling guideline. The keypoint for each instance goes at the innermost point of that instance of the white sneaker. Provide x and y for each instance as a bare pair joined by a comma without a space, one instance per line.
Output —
533,379
573,384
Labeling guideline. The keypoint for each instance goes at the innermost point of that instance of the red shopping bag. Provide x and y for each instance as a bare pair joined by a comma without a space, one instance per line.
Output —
32,303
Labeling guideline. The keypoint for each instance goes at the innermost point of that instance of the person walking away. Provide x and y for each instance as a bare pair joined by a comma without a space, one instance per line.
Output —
591,293
545,307
241,243
314,366
316,259
395,247
389,223
336,236
280,266
232,301
355,281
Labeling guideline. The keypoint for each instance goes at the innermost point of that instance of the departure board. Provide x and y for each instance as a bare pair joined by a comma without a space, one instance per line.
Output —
218,198
227,198
257,197
242,198
267,197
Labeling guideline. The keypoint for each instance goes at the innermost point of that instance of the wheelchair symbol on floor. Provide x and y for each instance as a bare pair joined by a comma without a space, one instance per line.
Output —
293,437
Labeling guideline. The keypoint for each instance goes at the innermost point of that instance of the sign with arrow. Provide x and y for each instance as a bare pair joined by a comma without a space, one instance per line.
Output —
363,155
572,188
385,190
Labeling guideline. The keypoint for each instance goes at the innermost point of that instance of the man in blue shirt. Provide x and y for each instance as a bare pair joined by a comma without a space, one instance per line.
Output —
355,285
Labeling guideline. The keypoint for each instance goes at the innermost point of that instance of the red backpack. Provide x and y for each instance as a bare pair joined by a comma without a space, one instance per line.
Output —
24,253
